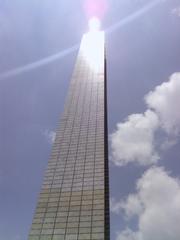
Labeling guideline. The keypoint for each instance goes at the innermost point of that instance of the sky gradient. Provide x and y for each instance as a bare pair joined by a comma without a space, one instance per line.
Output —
38,46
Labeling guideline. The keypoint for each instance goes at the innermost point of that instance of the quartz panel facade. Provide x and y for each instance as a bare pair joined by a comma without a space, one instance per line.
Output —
74,202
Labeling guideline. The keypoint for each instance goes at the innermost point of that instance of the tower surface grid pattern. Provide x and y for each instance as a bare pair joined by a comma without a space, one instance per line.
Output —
74,198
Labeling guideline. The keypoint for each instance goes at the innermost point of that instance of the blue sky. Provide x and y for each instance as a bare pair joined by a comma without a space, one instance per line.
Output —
38,47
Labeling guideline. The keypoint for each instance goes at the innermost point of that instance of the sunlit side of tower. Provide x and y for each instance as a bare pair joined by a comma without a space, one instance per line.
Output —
74,199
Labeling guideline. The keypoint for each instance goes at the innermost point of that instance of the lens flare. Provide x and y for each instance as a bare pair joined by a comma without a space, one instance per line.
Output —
95,7
94,24
92,46
92,49
59,55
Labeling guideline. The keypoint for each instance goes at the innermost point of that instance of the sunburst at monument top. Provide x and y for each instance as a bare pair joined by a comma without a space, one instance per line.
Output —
94,24
92,46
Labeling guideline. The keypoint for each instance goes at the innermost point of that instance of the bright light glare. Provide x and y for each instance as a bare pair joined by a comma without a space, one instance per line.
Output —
94,24
92,48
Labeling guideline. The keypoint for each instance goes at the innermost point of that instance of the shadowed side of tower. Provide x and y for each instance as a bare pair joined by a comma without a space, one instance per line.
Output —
74,199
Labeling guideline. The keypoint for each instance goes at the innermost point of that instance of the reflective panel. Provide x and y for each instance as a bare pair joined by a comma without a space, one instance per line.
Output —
73,202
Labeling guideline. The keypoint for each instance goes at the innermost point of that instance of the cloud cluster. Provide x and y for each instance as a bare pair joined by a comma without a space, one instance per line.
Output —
163,100
135,139
176,11
156,206
50,136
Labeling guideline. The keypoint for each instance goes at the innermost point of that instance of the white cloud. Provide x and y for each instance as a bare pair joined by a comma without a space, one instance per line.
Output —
115,207
134,140
132,206
168,143
128,234
50,136
158,210
176,11
164,101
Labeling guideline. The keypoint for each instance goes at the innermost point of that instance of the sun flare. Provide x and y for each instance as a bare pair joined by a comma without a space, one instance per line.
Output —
94,24
92,46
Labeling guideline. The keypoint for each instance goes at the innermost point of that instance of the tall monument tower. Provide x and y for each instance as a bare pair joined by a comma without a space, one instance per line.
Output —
74,199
